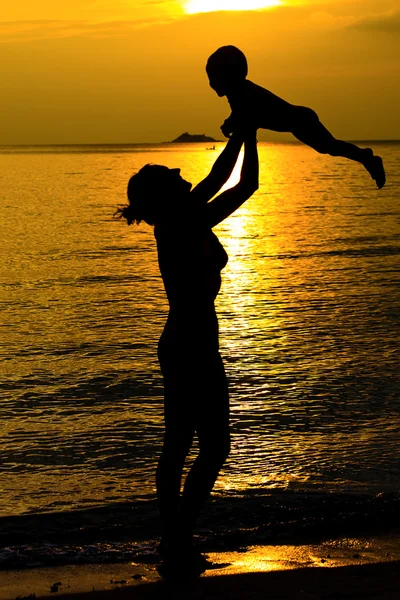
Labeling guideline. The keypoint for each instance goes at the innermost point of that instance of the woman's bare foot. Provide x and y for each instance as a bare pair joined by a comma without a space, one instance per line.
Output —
374,166
181,563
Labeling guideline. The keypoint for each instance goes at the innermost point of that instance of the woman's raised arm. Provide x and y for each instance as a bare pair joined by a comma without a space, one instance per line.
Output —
220,172
226,203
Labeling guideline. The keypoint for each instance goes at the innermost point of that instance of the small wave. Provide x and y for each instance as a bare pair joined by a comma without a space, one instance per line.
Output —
349,252
122,532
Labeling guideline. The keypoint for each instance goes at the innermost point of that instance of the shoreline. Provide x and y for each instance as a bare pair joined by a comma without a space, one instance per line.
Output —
336,568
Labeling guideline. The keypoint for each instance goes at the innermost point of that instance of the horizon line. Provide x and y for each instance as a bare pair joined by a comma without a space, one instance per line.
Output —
64,144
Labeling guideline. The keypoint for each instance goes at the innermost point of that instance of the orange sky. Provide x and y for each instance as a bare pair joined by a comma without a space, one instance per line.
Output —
132,71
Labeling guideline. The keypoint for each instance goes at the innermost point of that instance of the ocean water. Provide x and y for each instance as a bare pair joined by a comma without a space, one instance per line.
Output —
309,315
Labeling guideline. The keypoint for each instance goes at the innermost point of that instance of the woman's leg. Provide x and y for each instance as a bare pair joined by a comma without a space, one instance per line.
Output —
178,438
168,481
212,426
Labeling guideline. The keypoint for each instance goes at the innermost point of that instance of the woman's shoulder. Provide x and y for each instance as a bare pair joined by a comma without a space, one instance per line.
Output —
192,224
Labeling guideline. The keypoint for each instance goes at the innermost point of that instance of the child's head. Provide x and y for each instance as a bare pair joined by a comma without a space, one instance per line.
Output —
226,68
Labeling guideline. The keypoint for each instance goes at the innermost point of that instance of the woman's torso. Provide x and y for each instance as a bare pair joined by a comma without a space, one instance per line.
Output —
190,260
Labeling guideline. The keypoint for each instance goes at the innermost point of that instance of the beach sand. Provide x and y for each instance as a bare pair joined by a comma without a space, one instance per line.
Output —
362,568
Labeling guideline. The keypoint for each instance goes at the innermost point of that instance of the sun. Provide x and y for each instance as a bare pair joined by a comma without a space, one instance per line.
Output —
199,6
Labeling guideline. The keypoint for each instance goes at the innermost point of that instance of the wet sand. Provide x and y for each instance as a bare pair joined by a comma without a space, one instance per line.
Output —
335,569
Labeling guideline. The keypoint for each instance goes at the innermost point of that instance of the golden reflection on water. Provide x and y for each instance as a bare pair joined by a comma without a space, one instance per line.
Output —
338,552
307,312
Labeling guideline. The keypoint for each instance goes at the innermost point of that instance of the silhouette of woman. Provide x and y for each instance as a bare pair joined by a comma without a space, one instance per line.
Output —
195,387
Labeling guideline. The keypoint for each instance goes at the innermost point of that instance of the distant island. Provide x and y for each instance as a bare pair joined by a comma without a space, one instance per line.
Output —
186,137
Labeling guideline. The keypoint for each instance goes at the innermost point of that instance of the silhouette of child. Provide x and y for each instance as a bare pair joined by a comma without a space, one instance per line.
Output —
227,72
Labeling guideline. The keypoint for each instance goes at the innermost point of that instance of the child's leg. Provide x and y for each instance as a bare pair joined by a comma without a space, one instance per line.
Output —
308,129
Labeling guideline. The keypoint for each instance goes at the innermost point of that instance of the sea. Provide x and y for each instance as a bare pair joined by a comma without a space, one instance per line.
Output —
309,314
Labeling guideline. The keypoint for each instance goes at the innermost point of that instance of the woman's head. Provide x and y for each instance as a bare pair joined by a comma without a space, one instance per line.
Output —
155,194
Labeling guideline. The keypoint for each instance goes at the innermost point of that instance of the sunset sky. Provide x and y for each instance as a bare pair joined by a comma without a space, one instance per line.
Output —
104,71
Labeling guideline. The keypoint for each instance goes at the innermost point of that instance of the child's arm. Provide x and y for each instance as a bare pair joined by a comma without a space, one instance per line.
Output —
220,172
240,102
228,126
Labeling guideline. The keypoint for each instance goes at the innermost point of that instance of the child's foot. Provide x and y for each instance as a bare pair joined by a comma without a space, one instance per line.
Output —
374,166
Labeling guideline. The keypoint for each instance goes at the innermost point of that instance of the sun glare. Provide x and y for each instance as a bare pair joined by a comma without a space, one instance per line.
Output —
198,6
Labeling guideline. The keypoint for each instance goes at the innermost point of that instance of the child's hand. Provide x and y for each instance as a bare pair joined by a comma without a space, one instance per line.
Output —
228,126
238,124
226,130
245,128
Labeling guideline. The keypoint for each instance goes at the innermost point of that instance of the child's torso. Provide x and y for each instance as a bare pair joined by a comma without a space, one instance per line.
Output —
268,110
